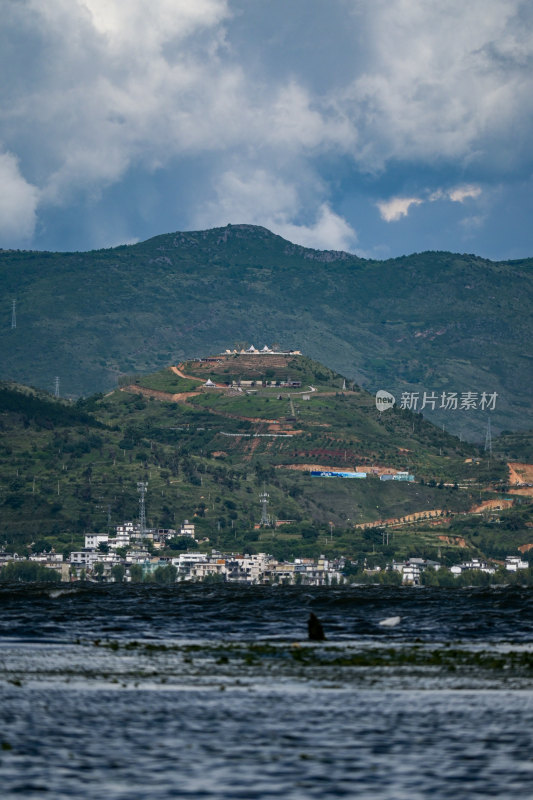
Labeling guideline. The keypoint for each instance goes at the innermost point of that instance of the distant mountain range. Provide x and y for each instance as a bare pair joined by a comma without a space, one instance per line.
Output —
430,322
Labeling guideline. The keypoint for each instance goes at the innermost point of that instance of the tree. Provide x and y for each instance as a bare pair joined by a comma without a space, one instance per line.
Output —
429,577
136,573
390,577
118,571
41,546
27,572
182,543
165,575
214,578
98,570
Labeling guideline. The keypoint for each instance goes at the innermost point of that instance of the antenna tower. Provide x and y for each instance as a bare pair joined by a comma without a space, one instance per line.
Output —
56,387
141,488
488,440
14,315
263,497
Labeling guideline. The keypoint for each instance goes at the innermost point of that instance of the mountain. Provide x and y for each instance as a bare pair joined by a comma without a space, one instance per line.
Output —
434,322
262,423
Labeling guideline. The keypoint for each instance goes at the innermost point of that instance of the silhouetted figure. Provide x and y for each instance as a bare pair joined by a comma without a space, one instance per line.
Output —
315,629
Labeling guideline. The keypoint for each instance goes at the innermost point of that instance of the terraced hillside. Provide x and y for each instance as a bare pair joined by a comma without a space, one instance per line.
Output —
206,454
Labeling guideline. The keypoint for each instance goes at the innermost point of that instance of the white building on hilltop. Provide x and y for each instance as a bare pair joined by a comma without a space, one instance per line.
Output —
261,352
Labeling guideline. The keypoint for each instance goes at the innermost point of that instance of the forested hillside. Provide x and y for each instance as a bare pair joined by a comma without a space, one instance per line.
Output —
426,322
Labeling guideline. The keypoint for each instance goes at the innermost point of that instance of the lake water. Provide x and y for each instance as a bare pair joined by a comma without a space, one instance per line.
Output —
214,692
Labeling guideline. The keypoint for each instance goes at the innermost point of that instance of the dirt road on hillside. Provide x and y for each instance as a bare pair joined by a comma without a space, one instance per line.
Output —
178,397
520,473
177,371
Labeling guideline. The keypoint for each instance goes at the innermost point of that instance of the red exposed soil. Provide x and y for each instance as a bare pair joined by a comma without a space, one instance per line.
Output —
486,505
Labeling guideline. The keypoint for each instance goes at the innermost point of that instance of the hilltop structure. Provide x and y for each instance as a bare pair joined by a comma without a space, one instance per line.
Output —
264,351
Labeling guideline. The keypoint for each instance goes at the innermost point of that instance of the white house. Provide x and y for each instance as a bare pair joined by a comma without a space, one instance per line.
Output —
92,540
514,563
187,529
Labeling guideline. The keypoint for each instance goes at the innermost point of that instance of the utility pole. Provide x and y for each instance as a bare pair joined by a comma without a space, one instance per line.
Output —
14,315
56,386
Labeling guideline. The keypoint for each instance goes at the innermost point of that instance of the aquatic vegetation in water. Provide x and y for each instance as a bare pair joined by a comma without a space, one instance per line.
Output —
320,661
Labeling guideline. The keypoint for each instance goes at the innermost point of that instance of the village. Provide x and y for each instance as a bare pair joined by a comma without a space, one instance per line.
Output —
130,557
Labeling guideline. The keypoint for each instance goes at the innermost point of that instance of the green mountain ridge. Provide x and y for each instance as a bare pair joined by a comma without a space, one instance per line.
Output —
71,468
435,322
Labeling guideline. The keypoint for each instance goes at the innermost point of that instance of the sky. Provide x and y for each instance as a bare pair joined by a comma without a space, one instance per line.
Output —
380,127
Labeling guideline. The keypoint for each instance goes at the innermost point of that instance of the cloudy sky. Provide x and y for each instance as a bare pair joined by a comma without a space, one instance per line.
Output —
381,127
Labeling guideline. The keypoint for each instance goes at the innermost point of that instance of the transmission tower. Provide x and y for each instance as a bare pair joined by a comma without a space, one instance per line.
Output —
263,498
56,387
141,488
14,315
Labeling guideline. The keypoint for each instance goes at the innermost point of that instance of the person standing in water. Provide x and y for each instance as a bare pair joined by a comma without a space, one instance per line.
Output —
315,629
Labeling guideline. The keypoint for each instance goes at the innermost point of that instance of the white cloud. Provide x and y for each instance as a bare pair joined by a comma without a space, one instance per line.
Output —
248,196
18,202
397,207
154,22
261,198
474,223
112,86
448,81
329,232
461,193
98,90
126,84
457,194
294,120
